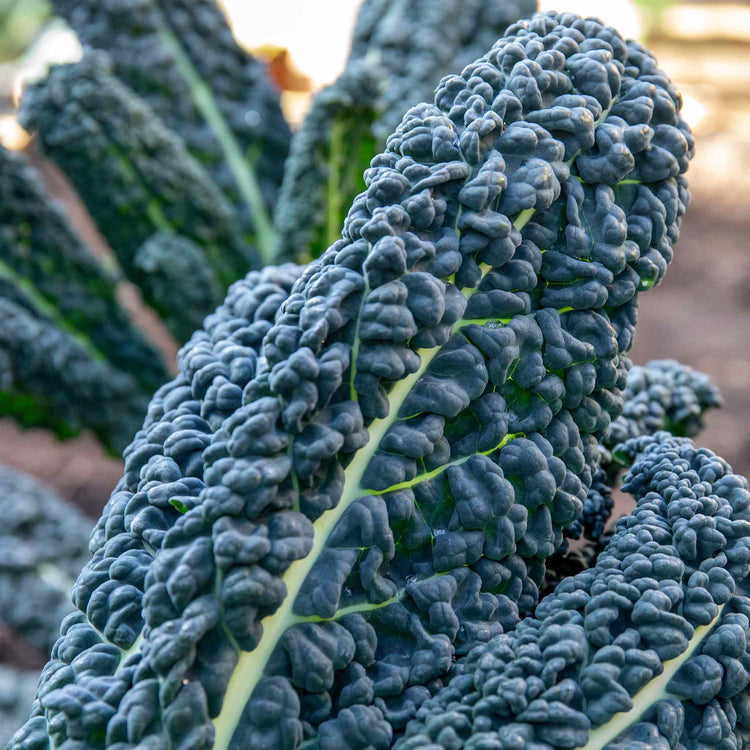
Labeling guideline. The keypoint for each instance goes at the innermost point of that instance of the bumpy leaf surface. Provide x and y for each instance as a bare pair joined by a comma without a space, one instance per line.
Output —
415,43
48,378
648,649
41,254
163,473
661,395
327,158
399,53
134,175
43,546
181,58
174,273
311,528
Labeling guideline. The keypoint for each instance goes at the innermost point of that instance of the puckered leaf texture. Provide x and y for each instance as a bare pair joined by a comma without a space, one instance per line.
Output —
180,56
70,358
334,500
137,179
648,649
174,273
661,395
41,254
43,546
400,51
48,378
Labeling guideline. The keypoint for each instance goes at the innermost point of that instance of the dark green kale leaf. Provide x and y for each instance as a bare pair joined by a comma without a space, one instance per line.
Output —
49,378
400,51
173,273
650,648
415,43
134,174
327,159
163,470
44,260
338,496
660,395
663,395
181,58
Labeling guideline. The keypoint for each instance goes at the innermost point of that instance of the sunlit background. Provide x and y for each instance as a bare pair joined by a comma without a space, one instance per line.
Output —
704,45
701,315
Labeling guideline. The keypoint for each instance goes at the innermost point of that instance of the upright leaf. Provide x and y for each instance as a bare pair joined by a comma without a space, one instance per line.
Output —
134,174
41,254
174,274
663,395
400,50
377,485
48,378
181,58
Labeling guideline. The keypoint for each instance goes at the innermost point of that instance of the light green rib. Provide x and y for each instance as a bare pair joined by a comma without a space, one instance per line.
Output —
440,469
239,165
353,609
49,310
153,208
334,198
126,653
655,691
251,664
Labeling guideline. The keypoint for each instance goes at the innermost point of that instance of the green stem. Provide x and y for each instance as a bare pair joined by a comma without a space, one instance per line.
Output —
240,167
334,197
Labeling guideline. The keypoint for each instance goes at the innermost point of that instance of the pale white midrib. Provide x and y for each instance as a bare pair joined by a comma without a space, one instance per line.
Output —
126,653
243,173
251,664
656,690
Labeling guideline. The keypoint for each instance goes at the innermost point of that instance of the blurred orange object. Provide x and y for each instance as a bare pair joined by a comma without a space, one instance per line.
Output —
285,74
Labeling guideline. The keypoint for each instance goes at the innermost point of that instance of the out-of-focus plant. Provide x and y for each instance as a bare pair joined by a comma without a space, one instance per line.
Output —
174,138
652,15
21,21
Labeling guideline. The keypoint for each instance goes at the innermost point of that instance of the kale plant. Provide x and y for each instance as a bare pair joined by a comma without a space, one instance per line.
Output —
340,511
346,522
174,138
